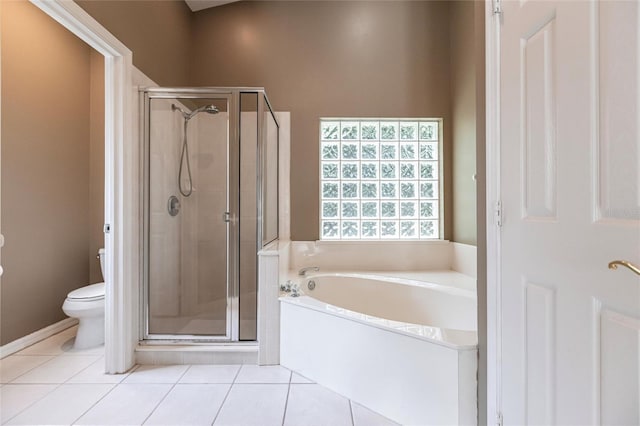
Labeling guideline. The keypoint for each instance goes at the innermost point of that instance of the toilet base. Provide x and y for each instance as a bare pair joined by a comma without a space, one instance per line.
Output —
90,333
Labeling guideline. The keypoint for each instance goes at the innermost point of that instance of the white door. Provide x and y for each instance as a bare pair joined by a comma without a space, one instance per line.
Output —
570,191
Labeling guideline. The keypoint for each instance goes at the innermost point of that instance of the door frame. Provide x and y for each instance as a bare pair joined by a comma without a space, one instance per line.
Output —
231,96
493,18
121,238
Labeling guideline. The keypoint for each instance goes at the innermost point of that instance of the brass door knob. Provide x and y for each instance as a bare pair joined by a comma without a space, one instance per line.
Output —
614,265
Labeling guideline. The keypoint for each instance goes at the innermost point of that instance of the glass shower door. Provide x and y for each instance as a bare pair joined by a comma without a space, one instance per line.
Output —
189,210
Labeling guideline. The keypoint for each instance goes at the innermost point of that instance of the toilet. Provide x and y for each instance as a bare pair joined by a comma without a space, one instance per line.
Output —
87,305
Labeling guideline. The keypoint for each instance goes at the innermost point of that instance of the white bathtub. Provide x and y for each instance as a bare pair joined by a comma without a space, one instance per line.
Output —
404,346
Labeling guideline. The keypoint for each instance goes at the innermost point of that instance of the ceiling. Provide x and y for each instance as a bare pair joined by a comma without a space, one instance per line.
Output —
196,5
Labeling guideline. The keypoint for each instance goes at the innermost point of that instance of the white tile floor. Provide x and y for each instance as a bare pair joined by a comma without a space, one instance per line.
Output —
51,383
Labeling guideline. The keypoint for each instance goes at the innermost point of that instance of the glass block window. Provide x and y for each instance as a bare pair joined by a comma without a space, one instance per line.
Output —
380,179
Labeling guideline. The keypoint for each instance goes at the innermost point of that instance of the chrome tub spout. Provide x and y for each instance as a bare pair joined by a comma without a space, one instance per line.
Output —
303,272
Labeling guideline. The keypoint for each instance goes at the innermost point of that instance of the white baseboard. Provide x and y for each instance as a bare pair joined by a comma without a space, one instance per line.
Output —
36,336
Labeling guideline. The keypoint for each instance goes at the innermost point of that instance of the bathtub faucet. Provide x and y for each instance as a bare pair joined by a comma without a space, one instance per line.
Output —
302,272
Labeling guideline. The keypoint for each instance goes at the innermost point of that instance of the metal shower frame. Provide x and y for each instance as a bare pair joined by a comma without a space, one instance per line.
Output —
233,97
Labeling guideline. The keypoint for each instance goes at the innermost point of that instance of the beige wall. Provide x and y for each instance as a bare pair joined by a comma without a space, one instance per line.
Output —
359,58
157,32
96,164
463,121
45,168
317,59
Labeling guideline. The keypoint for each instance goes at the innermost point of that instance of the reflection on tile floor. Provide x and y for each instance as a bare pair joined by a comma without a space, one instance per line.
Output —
51,383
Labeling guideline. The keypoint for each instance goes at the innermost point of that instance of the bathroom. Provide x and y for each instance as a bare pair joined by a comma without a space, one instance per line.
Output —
353,72
351,125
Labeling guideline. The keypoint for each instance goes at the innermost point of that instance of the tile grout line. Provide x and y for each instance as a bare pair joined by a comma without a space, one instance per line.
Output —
351,412
31,369
165,395
94,404
286,401
237,374
56,386
227,394
96,361
115,385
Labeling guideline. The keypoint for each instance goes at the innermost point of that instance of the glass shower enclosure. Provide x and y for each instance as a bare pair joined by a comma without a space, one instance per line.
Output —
210,204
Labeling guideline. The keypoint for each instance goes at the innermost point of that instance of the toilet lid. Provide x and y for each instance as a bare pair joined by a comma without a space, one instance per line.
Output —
88,293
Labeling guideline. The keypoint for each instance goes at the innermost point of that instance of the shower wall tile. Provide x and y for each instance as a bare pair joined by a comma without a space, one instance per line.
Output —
212,274
248,291
164,253
163,276
210,156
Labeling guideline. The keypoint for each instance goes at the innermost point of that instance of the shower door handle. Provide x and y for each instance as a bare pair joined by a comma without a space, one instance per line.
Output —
226,216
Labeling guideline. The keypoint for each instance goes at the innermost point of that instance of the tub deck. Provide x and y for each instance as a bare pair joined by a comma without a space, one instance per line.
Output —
414,374
446,281
442,277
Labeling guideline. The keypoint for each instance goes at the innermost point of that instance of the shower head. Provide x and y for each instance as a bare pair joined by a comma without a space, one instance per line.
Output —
210,109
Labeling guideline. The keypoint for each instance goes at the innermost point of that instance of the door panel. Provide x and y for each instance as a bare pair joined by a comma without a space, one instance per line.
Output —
617,88
540,352
618,367
570,189
188,284
537,88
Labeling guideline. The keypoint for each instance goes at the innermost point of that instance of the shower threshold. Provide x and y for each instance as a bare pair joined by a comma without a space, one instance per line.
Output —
181,352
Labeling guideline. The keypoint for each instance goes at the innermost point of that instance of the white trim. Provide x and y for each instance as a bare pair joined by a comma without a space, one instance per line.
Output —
121,183
381,242
268,309
35,337
492,45
464,260
284,173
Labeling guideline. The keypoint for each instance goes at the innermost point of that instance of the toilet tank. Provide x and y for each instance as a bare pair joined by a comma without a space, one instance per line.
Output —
101,254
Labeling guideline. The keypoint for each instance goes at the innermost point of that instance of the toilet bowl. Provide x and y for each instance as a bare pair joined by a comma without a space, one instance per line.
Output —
87,305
